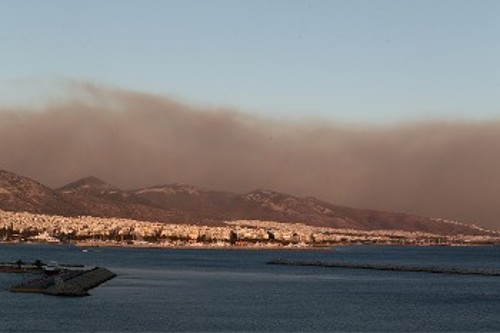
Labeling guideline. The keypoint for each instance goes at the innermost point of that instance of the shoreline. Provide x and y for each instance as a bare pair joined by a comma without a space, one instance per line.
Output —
248,234
90,245
85,245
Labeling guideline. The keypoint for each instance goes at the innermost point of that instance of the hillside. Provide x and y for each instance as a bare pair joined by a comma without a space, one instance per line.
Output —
19,193
180,203
94,197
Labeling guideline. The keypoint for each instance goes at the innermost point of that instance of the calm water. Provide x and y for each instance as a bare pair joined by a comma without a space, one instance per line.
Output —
234,290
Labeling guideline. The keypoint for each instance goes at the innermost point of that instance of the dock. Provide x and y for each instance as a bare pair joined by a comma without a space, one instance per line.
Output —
67,282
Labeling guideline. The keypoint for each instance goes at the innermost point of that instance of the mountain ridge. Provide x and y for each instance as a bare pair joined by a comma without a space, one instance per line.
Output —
188,204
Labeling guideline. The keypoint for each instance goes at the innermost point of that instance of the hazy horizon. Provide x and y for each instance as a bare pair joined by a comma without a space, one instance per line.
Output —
130,139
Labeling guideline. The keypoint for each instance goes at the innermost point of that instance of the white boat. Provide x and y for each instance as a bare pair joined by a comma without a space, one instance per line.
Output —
51,267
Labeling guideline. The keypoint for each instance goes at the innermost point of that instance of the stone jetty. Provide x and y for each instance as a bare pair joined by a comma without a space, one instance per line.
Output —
389,267
66,282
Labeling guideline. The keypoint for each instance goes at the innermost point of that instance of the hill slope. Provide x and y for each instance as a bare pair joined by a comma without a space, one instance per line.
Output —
274,206
94,197
18,193
179,203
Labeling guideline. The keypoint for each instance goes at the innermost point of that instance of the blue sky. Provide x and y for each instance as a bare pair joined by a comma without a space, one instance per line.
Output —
352,61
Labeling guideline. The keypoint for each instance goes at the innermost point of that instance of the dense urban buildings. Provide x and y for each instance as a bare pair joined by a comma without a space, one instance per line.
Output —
94,231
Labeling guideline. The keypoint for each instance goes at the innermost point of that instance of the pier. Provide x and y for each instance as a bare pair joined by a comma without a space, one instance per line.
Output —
66,282
389,267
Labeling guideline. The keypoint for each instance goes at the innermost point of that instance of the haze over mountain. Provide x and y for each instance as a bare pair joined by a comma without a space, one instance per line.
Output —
437,168
180,203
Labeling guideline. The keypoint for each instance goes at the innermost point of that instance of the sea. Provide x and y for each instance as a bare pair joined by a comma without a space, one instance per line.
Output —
197,290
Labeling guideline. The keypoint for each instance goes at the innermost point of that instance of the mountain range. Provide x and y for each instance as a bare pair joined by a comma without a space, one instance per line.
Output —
180,203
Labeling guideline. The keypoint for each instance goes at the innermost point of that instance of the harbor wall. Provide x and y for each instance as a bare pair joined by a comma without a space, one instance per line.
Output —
389,267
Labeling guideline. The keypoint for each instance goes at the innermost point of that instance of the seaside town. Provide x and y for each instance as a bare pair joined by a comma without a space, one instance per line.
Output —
95,231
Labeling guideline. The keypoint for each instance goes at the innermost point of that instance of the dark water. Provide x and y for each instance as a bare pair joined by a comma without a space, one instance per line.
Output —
234,290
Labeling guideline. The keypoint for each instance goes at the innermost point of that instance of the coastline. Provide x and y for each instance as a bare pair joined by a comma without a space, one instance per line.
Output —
85,245
98,244
249,234
243,247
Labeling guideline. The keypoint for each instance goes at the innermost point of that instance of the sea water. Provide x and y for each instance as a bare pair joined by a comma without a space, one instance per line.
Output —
235,290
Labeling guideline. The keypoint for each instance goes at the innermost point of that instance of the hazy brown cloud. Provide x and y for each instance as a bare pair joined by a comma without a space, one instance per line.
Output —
132,140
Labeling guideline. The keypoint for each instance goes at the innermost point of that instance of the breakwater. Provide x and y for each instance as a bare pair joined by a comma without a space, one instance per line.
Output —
66,282
389,267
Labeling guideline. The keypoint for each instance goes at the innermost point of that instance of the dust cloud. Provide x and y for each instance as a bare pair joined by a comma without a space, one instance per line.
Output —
132,140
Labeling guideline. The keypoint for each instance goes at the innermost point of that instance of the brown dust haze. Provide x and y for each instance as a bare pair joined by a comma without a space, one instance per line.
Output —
446,169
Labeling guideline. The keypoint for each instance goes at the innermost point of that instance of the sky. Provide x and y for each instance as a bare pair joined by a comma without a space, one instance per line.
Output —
388,105
347,61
